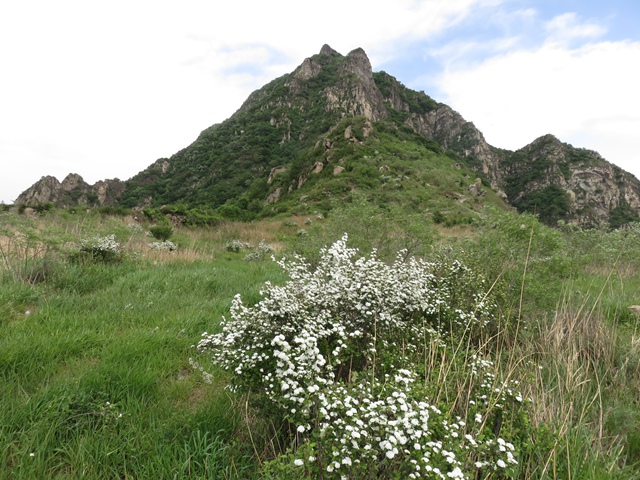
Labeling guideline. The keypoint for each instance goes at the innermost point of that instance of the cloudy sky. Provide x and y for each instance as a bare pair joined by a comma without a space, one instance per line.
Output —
104,89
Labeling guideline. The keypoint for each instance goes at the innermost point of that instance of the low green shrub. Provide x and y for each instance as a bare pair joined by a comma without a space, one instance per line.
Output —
161,232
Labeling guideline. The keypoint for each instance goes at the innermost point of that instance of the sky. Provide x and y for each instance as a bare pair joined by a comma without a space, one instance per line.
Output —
103,89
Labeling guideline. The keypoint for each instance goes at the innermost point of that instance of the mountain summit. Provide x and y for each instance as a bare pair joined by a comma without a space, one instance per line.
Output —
332,126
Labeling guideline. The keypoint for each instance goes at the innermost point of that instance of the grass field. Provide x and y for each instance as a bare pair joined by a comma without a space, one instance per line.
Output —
96,379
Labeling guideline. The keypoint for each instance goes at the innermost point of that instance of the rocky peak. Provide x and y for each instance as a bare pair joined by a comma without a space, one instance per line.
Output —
358,64
72,191
564,182
546,139
40,192
309,69
302,108
72,182
356,93
327,50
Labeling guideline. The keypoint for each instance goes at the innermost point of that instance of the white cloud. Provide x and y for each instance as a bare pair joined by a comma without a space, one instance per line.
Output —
568,27
585,96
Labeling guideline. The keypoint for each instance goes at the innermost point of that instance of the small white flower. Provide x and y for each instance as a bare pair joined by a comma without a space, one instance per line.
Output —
298,462
455,473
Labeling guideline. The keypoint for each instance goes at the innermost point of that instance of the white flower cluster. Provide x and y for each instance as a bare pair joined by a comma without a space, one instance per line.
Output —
167,245
323,348
107,243
262,251
237,245
101,248
134,227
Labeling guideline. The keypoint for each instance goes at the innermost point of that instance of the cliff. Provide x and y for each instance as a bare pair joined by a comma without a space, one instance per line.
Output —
73,190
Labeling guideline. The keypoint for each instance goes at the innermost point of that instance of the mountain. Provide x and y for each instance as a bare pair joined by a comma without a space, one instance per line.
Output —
559,181
309,139
72,191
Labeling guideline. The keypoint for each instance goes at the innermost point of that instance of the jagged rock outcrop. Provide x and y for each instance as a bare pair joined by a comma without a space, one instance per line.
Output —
357,93
72,191
44,190
548,177
579,184
354,91
449,129
476,189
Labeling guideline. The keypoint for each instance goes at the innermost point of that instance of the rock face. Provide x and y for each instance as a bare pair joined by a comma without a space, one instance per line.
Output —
547,177
72,191
443,125
449,129
44,190
578,183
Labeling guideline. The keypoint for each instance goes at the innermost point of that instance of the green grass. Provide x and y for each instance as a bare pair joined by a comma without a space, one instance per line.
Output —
95,379
122,334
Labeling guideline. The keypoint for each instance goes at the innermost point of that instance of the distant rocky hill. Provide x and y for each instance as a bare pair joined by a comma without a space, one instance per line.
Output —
559,181
333,126
72,191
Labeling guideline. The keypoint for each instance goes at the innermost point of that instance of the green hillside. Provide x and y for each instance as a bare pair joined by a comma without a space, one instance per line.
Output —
288,150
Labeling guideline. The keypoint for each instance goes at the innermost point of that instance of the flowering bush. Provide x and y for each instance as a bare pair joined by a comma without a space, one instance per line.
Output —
134,227
167,245
341,351
237,245
102,249
262,251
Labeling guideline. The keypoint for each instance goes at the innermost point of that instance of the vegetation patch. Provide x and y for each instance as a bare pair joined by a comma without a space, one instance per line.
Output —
501,350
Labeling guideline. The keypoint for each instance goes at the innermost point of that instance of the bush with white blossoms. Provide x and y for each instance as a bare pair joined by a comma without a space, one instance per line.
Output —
167,246
339,350
135,227
102,249
263,250
237,245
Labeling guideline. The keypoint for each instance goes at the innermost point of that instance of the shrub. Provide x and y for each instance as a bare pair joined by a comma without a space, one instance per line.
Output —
261,252
135,228
340,352
100,249
162,232
43,208
167,245
236,245
114,210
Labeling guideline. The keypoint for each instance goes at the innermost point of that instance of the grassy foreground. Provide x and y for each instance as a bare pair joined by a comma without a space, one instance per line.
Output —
95,372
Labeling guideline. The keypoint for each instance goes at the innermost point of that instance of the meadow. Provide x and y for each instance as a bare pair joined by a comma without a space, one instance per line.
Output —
534,374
